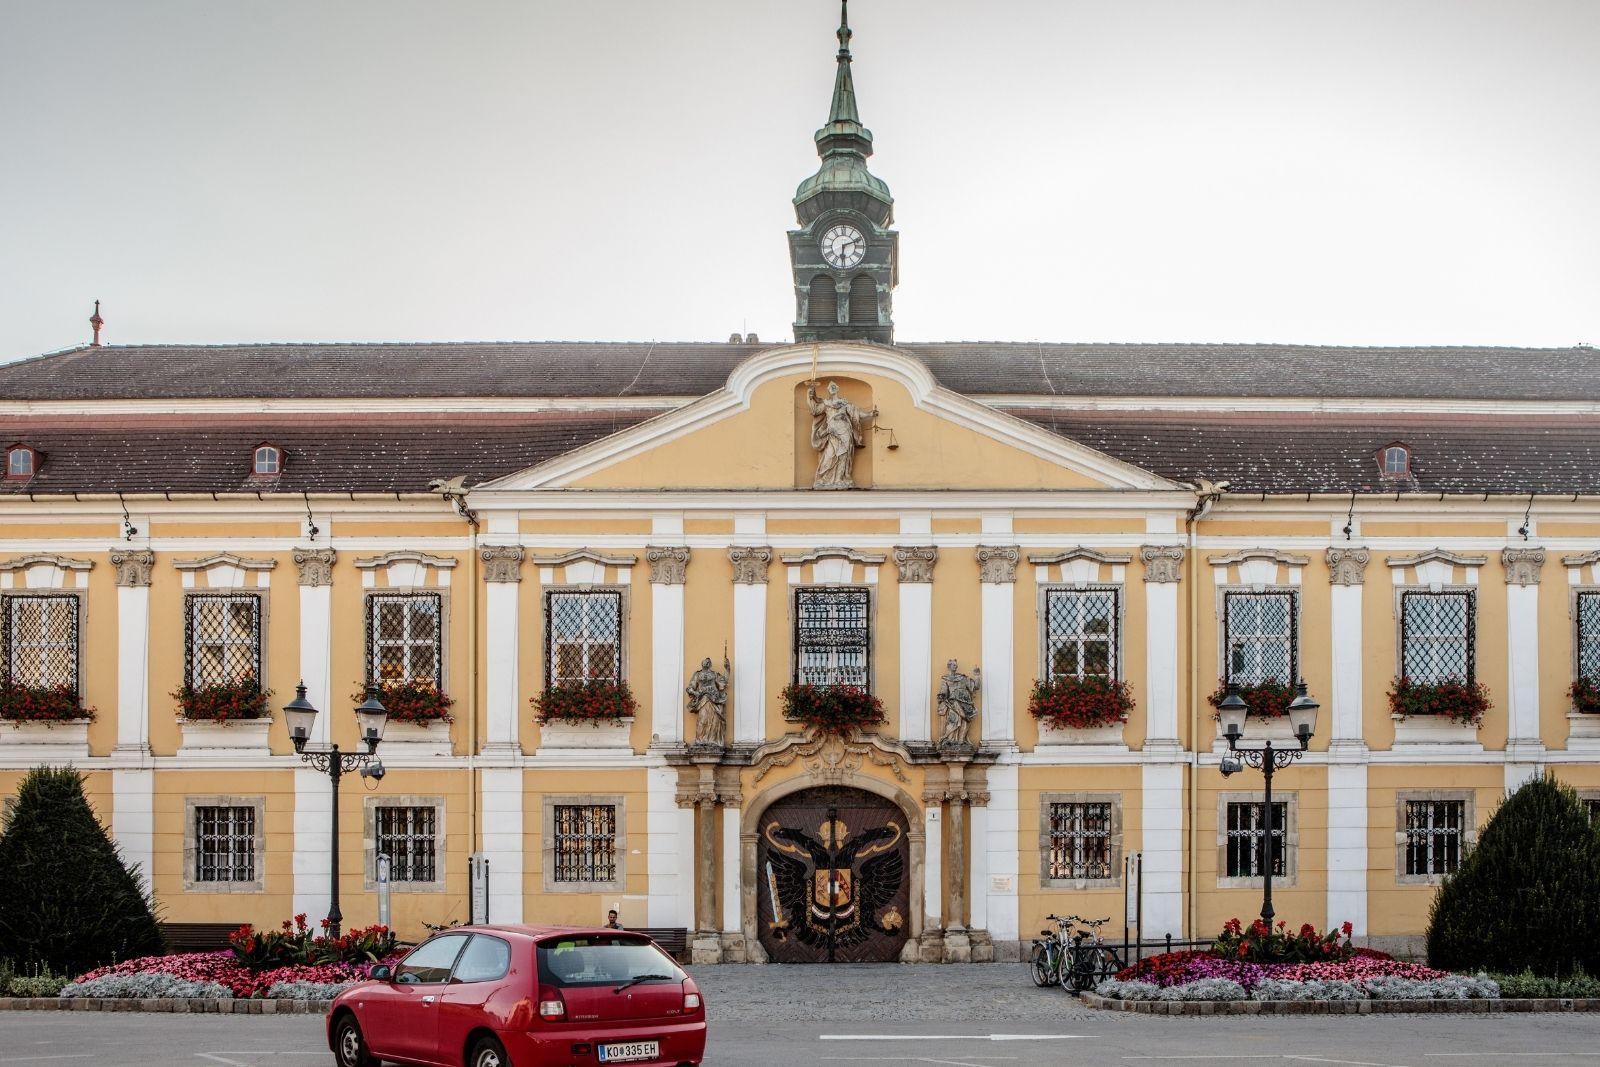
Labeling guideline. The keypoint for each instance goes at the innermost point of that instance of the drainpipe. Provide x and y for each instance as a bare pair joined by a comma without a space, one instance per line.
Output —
1206,496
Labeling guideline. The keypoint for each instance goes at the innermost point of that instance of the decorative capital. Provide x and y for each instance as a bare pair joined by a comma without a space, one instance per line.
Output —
1348,566
668,563
750,564
997,564
501,563
316,565
1522,565
915,562
1162,563
133,566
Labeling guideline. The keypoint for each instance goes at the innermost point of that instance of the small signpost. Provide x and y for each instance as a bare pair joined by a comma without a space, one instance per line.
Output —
478,864
383,892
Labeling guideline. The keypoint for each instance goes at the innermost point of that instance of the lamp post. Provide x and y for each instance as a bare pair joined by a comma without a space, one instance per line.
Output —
1303,718
371,716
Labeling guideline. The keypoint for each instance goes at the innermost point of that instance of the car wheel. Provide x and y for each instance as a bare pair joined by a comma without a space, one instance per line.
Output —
349,1047
488,1052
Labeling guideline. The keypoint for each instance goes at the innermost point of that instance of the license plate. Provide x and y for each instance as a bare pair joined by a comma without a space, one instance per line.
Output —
632,1050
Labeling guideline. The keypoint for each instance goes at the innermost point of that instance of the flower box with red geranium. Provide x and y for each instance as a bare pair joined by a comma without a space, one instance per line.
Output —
1585,696
1445,712
1584,718
224,718
47,721
1080,711
833,709
419,717
598,713
1268,702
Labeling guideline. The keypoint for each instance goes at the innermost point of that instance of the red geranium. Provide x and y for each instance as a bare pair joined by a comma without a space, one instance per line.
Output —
411,701
1585,696
1459,701
41,703
832,708
1077,702
223,701
1267,700
596,700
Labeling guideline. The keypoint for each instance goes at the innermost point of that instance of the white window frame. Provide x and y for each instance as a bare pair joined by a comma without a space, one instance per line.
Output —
585,640
1227,597
29,458
370,826
1047,802
1290,839
1387,468
74,601
1468,642
1049,596
253,641
265,457
830,664
619,844
191,845
425,602
1469,830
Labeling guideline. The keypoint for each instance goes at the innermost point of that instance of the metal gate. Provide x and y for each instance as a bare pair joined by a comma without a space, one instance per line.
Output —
832,867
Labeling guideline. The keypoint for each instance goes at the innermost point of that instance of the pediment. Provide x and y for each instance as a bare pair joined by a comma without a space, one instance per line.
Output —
754,433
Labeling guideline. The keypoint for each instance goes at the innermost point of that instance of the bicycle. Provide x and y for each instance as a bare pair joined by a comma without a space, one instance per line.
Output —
1092,961
1044,963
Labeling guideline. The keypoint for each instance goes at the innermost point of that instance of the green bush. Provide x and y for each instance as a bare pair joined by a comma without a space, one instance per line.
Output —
67,901
1528,984
1527,898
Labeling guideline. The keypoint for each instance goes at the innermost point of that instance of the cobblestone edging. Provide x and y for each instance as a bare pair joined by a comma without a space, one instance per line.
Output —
1338,1007
191,1005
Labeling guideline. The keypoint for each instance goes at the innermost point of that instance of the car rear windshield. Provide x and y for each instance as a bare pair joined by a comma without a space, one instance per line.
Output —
602,959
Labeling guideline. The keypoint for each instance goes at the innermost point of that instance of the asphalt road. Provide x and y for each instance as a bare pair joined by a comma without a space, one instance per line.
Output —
953,1016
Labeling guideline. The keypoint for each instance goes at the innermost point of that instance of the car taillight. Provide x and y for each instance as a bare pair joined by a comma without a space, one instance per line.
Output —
551,1006
691,1002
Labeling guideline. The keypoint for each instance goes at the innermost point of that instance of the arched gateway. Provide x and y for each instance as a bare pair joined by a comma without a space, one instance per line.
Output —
833,870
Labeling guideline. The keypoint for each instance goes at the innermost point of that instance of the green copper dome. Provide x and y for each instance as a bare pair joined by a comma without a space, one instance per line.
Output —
844,144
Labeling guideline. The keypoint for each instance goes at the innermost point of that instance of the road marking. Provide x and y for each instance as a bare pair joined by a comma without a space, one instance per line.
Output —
1487,1055
911,1059
37,1059
948,1037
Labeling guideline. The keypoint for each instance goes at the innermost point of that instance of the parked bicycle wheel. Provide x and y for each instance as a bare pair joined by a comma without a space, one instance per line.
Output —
1045,965
1082,976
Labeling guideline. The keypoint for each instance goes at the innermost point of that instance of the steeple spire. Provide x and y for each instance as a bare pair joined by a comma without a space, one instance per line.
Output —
844,88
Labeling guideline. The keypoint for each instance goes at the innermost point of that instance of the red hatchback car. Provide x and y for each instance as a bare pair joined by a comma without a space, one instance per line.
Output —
523,996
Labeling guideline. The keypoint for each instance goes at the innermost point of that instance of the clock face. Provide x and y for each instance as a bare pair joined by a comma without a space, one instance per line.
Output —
843,246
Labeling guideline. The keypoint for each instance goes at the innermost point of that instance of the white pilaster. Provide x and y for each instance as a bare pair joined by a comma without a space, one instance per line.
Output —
916,659
316,627
977,867
1000,841
1161,678
666,662
133,818
1161,810
500,803
1522,646
501,681
662,847
685,862
932,865
749,661
731,861
313,810
1347,735
133,669
998,710
1347,842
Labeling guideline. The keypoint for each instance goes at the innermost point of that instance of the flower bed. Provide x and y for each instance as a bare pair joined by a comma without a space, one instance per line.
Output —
210,974
1458,701
224,701
836,709
41,703
1072,702
1266,700
420,702
595,701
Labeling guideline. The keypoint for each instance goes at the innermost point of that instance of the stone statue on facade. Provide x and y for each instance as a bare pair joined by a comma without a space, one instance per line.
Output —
708,698
838,428
958,704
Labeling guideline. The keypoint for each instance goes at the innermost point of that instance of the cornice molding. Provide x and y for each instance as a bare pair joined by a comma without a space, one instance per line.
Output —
584,555
1113,558
224,559
66,563
1582,559
368,563
1288,559
869,559
1439,555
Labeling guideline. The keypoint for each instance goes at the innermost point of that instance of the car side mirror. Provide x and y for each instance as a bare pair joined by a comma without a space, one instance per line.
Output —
382,973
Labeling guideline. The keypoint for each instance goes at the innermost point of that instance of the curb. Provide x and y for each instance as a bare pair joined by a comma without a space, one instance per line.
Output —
1340,1007
195,1005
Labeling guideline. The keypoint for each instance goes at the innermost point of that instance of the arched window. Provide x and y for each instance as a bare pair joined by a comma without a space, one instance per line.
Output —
268,460
863,301
823,307
20,462
1394,461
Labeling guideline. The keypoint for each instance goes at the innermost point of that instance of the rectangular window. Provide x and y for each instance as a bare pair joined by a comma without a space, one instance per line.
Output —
405,635
1246,842
1436,636
583,637
1080,841
224,844
1080,637
832,639
1435,836
1260,630
1589,636
40,638
222,638
1592,806
585,843
407,836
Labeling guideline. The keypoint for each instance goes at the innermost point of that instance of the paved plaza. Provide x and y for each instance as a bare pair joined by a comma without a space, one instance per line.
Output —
957,1016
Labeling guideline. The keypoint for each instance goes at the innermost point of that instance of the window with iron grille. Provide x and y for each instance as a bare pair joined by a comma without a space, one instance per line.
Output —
1589,636
1437,636
585,843
405,637
832,637
583,636
39,634
1591,806
1260,630
1080,841
1080,635
407,835
1246,840
225,844
1435,836
222,638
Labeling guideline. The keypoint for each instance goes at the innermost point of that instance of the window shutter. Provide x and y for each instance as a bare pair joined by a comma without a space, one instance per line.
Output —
823,307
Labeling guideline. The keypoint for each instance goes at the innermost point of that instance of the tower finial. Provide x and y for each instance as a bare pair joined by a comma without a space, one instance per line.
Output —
844,86
95,321
844,29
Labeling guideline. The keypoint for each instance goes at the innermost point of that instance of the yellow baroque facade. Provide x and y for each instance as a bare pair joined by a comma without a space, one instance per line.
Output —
151,545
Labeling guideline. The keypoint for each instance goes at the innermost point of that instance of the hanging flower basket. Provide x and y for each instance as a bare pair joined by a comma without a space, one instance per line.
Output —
1458,701
595,701
1585,696
41,703
420,702
224,701
1078,703
1267,700
834,709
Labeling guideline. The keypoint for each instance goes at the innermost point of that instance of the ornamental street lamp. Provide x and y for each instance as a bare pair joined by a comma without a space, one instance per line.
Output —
370,718
1302,718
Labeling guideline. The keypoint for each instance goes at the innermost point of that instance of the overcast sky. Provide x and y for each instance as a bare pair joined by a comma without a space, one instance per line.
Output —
1337,171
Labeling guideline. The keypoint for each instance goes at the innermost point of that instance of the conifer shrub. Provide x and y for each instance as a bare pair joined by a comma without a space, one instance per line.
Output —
67,901
1527,898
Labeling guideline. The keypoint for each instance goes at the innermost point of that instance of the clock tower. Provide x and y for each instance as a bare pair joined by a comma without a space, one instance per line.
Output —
845,255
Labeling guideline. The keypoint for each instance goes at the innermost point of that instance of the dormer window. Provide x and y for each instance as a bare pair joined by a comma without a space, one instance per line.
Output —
21,462
1394,461
268,461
